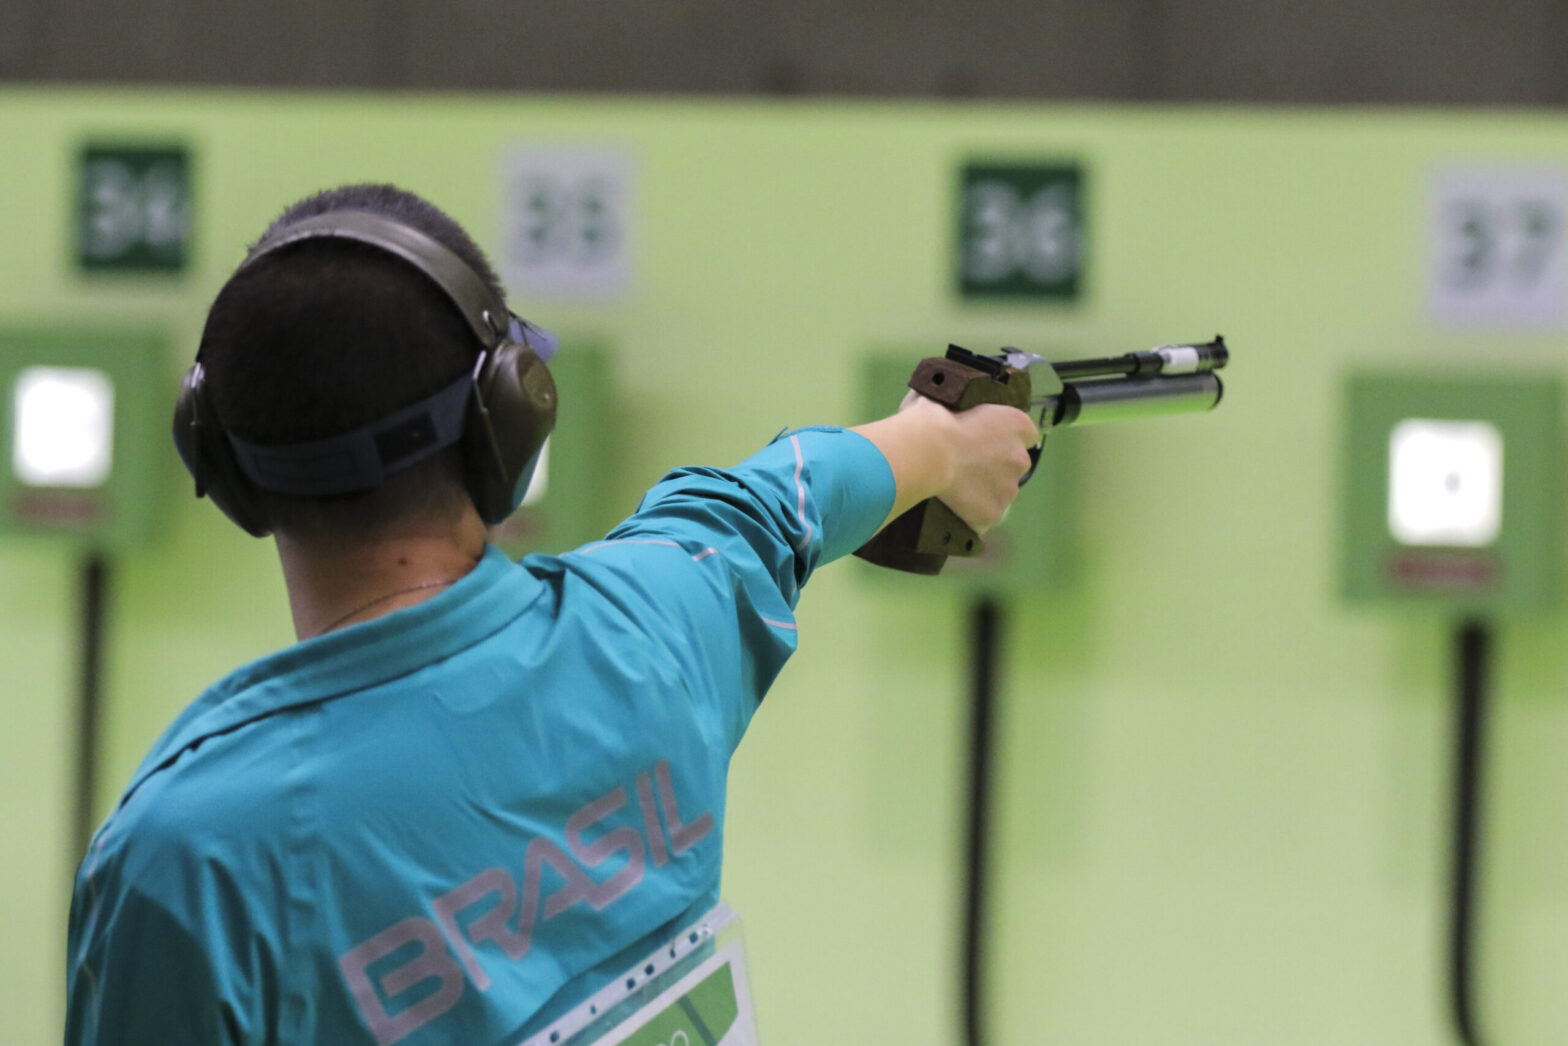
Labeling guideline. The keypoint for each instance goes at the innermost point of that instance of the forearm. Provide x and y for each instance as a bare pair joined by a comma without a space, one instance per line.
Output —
918,443
811,496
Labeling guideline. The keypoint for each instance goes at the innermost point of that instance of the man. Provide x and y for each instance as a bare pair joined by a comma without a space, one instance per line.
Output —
474,790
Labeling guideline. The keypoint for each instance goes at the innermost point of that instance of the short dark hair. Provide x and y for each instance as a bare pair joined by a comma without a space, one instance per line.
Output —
326,335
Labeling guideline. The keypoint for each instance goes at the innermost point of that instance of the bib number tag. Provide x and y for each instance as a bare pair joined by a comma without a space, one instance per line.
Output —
693,991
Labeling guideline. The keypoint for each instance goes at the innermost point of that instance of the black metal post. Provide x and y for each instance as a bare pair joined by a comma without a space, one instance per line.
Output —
1472,643
94,590
985,658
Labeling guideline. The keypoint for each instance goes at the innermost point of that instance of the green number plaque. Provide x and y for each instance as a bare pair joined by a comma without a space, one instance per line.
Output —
1021,231
133,212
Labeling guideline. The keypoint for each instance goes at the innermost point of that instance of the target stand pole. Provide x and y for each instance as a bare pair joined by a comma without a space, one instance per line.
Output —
94,599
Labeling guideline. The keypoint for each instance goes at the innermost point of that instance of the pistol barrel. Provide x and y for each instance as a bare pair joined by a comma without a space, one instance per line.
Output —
1161,360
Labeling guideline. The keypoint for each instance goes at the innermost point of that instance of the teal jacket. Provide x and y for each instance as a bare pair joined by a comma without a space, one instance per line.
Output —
450,823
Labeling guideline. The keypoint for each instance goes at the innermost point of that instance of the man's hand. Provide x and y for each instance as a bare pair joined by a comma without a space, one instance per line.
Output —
970,460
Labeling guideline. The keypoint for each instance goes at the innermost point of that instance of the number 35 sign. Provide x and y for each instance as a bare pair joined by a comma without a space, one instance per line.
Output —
567,213
1495,246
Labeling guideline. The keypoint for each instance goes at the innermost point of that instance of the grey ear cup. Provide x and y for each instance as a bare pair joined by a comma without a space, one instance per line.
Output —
513,412
511,409
210,460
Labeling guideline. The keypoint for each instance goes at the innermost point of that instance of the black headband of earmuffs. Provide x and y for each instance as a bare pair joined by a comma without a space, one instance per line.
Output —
363,458
502,411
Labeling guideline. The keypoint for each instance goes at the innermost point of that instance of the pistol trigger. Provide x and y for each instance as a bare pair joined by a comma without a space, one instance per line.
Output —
1034,461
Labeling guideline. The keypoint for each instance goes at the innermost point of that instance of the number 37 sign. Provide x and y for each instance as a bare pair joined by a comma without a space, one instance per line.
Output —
1495,250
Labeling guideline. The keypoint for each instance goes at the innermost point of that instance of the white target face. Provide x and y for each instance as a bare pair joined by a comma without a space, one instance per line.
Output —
64,434
1445,483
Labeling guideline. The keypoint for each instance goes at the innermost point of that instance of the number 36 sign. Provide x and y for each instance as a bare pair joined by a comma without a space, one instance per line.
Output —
1020,231
1495,250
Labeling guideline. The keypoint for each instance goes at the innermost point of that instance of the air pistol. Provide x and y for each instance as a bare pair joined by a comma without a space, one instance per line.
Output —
1168,379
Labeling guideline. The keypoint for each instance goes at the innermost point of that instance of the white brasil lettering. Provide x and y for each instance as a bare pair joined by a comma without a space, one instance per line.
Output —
506,920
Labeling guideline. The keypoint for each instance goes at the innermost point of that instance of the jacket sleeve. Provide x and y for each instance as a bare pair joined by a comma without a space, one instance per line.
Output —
714,560
147,982
159,951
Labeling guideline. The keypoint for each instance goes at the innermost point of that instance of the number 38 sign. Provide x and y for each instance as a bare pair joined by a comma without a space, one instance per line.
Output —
1495,246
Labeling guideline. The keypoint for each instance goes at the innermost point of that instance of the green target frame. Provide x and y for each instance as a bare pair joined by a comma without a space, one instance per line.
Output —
1453,491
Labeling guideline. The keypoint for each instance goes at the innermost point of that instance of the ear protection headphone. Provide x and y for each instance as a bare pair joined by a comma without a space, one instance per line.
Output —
501,412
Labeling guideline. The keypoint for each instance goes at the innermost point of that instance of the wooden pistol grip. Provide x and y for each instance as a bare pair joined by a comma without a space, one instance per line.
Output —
920,540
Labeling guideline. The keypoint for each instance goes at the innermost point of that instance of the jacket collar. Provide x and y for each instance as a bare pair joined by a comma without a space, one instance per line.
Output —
351,659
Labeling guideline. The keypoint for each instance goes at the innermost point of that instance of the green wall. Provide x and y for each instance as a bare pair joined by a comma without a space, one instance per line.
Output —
1223,793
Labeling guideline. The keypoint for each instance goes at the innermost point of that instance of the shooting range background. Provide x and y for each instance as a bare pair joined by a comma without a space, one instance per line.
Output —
1223,794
